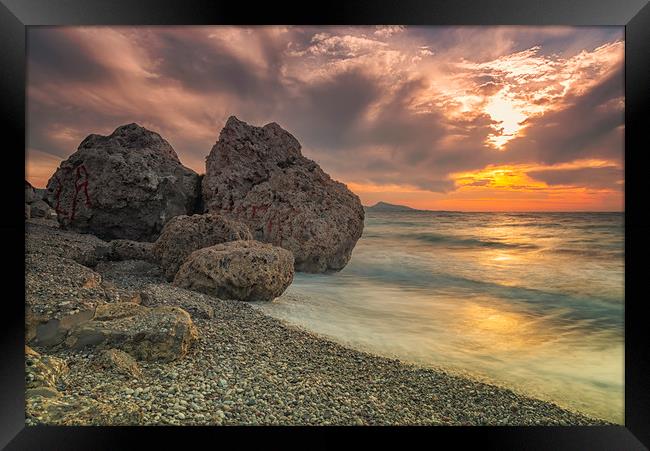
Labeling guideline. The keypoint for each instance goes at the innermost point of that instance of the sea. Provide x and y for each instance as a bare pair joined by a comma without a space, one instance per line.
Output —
529,301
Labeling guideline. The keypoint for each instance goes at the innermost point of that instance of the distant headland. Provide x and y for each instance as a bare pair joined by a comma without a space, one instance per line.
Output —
385,206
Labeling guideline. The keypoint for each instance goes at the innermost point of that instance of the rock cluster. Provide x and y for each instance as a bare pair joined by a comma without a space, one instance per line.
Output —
257,175
183,235
123,186
70,305
131,188
131,216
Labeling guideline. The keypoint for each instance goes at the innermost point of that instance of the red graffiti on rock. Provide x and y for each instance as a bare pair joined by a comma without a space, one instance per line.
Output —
80,184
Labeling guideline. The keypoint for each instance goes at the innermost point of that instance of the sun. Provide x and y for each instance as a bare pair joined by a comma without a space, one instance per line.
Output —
508,117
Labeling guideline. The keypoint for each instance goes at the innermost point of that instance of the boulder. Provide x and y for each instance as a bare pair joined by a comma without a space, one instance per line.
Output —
257,175
45,238
160,333
242,270
183,235
123,186
131,250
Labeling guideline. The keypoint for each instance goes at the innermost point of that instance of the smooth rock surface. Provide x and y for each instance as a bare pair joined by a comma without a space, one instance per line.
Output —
123,186
161,333
183,235
258,175
242,270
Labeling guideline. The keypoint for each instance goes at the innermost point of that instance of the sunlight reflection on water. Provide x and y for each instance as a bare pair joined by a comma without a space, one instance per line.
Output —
491,295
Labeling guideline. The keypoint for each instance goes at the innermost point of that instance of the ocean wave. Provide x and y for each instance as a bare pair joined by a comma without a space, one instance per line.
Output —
590,252
459,241
531,224
601,311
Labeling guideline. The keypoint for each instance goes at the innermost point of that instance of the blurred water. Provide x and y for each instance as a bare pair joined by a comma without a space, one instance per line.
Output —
531,301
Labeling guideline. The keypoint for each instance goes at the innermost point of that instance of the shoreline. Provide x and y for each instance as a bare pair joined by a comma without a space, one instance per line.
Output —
457,372
250,368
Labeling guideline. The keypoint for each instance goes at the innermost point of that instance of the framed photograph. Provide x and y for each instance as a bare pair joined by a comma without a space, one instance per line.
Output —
414,221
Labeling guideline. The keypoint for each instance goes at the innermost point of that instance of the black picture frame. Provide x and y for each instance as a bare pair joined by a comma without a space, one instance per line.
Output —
16,15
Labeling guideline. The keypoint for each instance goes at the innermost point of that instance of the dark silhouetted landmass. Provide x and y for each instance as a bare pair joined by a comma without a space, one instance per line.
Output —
385,206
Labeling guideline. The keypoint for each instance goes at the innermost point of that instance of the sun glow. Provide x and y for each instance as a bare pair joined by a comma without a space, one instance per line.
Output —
509,118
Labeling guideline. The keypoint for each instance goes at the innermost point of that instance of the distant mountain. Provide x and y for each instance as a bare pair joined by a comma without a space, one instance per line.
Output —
385,206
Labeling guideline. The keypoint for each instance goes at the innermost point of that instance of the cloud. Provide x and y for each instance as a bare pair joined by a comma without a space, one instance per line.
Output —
58,56
591,125
382,106
609,177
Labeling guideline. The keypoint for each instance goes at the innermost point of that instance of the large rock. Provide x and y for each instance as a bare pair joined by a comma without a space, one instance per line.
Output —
258,175
160,333
126,185
183,235
242,270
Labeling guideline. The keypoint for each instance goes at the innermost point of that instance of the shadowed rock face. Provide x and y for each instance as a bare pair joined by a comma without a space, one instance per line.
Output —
258,176
126,185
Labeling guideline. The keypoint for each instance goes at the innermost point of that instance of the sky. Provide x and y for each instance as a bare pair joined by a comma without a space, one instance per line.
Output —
481,118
